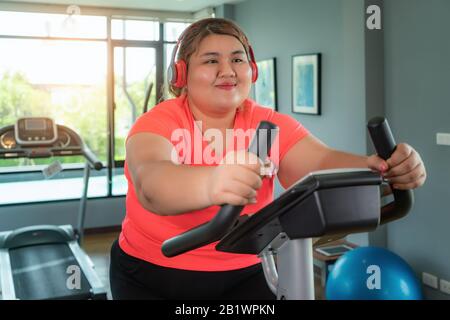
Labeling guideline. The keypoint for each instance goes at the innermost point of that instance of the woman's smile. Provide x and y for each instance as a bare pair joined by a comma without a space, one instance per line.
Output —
228,86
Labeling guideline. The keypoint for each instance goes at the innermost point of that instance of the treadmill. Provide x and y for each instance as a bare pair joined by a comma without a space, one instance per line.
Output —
46,261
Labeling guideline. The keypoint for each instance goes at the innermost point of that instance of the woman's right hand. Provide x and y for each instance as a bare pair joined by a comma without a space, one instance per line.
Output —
235,180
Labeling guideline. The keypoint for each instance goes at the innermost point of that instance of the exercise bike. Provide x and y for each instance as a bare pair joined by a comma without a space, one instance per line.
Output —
36,261
323,206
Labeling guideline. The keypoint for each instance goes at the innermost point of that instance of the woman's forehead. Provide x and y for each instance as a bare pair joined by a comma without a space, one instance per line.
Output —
219,43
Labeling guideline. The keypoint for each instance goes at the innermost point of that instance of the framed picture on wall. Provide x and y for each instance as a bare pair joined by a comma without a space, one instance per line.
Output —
265,88
306,70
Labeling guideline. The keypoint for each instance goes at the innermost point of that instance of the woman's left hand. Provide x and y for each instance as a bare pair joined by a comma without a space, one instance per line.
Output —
404,169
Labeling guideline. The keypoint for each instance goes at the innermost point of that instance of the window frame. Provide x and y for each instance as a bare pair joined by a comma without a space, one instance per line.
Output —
110,13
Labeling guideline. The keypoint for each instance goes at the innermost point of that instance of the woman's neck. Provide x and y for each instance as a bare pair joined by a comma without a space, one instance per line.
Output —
221,121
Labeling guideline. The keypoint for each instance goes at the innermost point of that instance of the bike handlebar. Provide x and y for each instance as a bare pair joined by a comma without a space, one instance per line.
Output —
385,145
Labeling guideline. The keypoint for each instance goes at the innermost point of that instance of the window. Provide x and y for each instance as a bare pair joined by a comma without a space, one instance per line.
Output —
56,65
134,90
32,187
173,30
52,25
63,80
135,30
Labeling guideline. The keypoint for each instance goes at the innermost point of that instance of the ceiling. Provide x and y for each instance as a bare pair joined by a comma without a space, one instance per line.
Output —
169,5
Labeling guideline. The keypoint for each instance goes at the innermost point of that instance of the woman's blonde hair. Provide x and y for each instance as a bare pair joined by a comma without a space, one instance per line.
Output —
190,40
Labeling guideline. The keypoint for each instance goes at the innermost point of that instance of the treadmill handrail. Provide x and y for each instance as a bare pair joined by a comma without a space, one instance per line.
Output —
226,218
91,158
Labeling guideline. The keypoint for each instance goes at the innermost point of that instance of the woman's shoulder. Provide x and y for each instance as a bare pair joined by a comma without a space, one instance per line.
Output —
162,119
254,110
166,110
256,113
167,106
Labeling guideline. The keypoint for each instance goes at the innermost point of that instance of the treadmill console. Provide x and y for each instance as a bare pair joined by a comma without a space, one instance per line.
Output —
35,131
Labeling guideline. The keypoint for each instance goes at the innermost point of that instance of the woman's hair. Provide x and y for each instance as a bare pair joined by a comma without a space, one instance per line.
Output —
190,40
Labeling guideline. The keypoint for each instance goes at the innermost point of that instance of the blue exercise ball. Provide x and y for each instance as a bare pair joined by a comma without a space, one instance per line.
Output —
371,273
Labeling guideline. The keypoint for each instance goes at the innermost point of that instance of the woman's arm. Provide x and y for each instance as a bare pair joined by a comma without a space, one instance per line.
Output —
310,154
162,186
166,188
404,169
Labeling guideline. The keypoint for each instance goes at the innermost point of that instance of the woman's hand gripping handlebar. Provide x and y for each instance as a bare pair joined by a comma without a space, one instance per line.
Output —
385,145
226,218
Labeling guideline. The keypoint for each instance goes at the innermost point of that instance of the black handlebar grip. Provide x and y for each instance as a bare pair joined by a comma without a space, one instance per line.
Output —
382,137
263,139
384,143
226,218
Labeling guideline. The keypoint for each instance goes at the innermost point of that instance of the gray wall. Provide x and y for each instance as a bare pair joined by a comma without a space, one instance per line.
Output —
417,77
225,11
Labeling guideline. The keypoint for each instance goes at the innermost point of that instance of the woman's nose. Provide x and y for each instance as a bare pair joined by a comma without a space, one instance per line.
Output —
226,69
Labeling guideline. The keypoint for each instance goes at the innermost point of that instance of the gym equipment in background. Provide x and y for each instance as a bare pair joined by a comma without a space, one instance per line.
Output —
321,207
37,261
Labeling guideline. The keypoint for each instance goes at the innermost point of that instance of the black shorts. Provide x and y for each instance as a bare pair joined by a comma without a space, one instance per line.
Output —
133,278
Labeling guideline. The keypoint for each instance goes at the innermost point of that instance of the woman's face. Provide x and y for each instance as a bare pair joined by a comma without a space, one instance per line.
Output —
219,74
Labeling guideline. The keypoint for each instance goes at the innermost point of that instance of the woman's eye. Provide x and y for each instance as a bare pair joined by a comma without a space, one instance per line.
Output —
238,60
211,61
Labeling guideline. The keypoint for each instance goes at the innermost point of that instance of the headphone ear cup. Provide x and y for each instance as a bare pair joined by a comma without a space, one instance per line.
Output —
180,74
172,74
254,71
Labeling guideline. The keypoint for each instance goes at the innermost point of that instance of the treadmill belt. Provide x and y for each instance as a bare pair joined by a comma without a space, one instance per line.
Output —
41,272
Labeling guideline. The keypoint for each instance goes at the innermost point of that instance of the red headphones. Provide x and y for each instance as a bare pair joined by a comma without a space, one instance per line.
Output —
177,72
